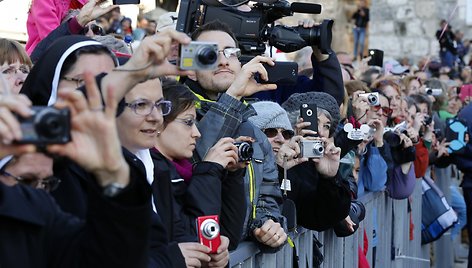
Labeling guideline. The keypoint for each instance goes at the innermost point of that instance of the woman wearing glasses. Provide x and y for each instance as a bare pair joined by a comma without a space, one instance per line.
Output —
15,65
213,186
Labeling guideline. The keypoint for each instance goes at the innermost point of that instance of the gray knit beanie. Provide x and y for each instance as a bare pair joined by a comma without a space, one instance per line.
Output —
321,99
270,115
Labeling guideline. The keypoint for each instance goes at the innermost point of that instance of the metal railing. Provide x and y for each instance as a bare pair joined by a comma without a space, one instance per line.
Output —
396,225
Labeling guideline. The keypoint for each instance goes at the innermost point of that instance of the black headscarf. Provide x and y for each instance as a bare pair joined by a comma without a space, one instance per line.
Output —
41,84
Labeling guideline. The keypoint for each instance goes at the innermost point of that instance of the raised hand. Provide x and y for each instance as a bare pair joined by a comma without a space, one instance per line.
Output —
288,155
95,145
92,10
245,85
224,152
10,127
328,165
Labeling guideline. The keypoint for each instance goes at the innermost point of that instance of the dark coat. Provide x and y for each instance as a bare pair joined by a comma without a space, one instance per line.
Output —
321,202
73,197
327,77
211,191
35,232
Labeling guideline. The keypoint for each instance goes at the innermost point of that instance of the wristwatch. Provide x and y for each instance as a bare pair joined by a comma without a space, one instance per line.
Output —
113,189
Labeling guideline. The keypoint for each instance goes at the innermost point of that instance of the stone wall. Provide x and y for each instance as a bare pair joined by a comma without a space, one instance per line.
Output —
402,28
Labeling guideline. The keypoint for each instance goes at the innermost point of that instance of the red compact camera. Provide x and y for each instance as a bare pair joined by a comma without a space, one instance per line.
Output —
208,230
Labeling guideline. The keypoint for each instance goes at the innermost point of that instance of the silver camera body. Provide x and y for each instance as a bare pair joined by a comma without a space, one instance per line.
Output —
199,56
311,148
372,98
434,91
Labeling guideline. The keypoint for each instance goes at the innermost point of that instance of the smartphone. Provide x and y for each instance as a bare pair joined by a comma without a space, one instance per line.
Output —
283,72
376,57
126,2
309,114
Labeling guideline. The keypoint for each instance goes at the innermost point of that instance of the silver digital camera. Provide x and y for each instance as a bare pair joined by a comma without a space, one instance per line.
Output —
199,56
311,148
372,98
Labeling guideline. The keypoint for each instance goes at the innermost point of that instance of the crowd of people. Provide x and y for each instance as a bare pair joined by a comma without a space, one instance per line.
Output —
109,156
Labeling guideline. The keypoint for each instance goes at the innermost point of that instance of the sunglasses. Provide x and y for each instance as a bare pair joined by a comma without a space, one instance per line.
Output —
97,30
272,132
386,111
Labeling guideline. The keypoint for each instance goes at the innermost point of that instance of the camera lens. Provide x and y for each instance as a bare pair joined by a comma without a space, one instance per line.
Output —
318,149
210,228
245,151
49,123
372,99
207,55
392,138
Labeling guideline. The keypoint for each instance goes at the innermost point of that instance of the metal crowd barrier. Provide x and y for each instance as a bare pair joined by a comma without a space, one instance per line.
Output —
396,245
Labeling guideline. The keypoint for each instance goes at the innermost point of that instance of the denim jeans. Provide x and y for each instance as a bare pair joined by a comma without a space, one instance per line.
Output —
447,58
359,38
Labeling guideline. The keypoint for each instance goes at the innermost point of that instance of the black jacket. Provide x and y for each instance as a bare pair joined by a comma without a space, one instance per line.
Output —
211,191
72,196
321,202
35,232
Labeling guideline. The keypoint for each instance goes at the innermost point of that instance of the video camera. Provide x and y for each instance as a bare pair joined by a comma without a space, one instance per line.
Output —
257,26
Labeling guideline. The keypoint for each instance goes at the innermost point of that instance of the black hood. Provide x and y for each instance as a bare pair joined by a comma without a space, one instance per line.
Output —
41,84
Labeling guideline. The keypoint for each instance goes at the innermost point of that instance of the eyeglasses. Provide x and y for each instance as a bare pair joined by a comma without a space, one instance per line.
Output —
78,81
272,132
386,111
187,121
49,183
230,52
97,30
145,107
11,70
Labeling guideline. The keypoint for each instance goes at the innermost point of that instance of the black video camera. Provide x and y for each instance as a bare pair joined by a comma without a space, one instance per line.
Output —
254,28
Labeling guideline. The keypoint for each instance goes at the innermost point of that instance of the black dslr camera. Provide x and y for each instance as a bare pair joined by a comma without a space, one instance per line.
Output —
47,125
245,151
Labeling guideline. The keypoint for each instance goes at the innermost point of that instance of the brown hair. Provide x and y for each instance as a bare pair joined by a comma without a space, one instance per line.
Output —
181,97
11,51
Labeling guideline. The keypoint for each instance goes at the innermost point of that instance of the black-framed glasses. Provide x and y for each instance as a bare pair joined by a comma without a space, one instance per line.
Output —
96,29
49,183
145,107
272,132
230,52
78,81
187,121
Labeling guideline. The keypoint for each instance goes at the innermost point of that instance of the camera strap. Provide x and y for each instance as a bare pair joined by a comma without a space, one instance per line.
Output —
285,186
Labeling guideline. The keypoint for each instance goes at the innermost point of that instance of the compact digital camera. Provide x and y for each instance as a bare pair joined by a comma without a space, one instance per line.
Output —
372,98
208,230
245,151
199,56
434,91
47,125
311,148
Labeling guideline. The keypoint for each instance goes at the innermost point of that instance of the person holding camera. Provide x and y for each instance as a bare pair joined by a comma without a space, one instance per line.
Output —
222,113
311,196
423,125
327,76
45,236
213,186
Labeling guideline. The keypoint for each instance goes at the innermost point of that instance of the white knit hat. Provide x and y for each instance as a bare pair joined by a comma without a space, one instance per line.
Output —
270,115
167,21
